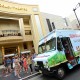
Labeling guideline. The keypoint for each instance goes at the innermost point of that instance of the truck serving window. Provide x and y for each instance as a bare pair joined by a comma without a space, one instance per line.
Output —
49,45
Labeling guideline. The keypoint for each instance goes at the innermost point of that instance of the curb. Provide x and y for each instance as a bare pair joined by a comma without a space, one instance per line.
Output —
30,76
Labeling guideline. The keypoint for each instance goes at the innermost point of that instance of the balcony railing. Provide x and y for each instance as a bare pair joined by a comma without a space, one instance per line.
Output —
5,33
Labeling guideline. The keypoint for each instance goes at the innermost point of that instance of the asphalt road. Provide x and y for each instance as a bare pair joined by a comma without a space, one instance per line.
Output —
71,75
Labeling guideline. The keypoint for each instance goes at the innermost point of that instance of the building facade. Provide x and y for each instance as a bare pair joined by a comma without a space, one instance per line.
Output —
21,27
52,22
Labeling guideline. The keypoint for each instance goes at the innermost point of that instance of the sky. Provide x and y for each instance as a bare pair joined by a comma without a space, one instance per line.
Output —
62,8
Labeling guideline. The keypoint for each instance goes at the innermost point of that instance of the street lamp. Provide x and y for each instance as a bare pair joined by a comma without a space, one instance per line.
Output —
77,6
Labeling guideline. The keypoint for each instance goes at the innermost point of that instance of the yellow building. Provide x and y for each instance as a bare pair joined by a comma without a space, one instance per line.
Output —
20,28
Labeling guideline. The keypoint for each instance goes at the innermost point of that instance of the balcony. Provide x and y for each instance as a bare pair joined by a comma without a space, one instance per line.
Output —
8,35
9,38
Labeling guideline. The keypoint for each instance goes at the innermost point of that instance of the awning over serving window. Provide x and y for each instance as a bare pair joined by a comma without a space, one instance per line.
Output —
25,52
9,55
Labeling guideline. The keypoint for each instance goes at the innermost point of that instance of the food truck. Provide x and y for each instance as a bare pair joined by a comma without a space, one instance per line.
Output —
57,52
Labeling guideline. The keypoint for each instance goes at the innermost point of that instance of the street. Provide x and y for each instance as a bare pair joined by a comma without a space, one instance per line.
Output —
71,75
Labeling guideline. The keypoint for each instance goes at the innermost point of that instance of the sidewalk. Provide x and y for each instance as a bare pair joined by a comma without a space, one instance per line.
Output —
11,75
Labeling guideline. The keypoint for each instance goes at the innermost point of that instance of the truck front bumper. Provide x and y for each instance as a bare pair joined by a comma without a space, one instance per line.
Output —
46,71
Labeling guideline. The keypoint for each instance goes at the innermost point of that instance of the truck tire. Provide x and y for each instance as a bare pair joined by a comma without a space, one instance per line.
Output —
60,73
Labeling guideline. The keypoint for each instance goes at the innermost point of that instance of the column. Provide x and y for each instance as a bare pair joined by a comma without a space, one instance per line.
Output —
42,25
21,25
35,33
19,51
2,52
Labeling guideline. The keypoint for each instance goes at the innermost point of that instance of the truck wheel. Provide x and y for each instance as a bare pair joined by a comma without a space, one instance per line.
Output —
60,73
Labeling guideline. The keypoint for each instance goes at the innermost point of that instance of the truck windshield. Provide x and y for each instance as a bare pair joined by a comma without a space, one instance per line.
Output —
49,45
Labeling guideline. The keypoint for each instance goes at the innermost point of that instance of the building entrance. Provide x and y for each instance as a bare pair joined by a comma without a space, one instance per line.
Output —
10,50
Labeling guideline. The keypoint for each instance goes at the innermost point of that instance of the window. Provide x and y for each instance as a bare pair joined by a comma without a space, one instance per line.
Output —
27,32
25,45
53,25
49,45
49,25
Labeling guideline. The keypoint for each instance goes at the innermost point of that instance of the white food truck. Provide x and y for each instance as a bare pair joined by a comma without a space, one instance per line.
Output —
57,52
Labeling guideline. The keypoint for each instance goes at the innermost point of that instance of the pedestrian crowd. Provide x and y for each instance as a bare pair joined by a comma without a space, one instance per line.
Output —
18,64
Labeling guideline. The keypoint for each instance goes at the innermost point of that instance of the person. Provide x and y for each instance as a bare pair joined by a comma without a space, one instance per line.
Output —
8,64
25,65
21,62
5,66
30,62
11,63
33,55
13,59
17,67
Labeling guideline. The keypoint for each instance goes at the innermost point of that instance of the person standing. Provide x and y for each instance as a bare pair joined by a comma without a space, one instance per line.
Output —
21,62
5,66
30,63
33,55
11,63
17,67
8,64
25,65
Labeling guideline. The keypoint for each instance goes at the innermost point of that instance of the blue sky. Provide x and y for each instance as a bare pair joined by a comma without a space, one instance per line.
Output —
58,7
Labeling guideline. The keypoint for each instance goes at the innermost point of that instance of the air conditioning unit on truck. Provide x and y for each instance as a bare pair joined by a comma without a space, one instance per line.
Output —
58,50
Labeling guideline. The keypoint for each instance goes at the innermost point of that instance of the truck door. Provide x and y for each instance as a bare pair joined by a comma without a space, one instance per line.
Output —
68,49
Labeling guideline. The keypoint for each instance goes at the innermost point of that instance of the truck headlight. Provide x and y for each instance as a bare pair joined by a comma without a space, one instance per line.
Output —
35,63
46,64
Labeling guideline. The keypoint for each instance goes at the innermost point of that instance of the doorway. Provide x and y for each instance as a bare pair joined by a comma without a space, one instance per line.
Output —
68,48
10,50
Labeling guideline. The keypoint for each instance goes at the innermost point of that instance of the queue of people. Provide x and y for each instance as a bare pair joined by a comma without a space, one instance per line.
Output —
18,64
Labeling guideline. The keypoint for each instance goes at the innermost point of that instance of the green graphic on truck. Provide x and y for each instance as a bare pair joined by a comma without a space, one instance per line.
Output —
57,58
